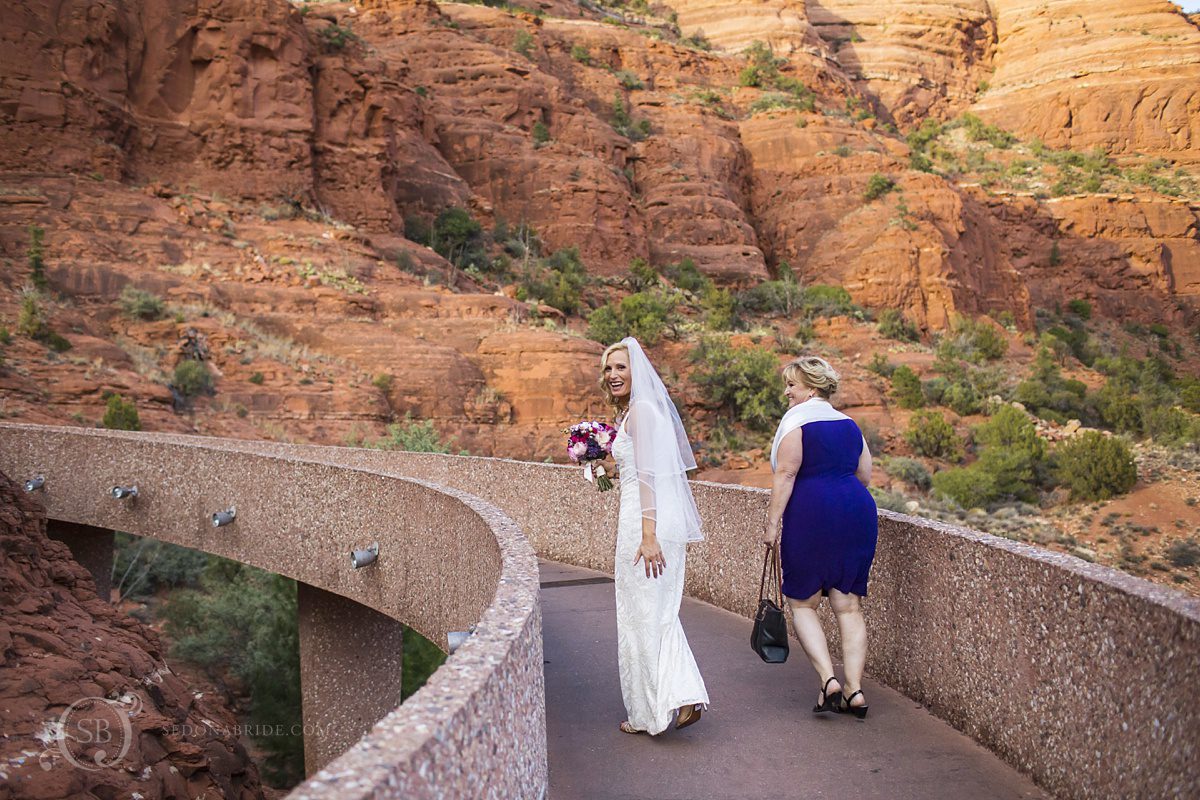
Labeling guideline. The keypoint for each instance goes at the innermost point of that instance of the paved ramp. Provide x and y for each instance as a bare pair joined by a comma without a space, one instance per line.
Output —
758,740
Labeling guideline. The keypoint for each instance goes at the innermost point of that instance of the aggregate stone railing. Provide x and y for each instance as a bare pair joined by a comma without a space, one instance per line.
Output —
1082,676
448,561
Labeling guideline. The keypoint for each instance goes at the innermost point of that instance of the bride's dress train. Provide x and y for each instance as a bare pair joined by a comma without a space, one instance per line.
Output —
658,671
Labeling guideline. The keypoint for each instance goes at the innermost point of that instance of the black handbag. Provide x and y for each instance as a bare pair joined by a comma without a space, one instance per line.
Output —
769,637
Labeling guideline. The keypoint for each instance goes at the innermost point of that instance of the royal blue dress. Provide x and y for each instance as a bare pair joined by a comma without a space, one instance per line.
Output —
830,524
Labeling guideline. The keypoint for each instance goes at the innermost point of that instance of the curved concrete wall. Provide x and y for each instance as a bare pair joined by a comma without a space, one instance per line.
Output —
1082,676
448,560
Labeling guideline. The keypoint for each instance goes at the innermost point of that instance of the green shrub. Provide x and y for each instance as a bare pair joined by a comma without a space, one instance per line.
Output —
648,316
139,304
1080,308
934,390
888,500
581,54
773,298
720,308
417,229
557,281
930,435
906,388
969,487
1012,452
257,379
413,437
623,122
523,43
821,300
31,320
5,336
421,659
382,382
971,340
628,79
880,365
1095,467
686,276
962,399
641,276
893,325
142,566
1184,553
909,470
877,186
979,131
744,382
541,134
242,622
36,256
336,37
458,238
605,325
192,378
121,415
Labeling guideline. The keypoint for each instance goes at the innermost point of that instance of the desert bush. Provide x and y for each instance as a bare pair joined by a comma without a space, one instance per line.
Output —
581,54
877,186
383,382
930,435
909,470
961,398
540,133
458,238
894,325
743,381
973,340
120,415
969,487
934,390
623,122
880,365
647,316
336,37
719,307
412,436
980,131
772,298
1080,308
821,300
31,320
686,276
139,304
1184,553
1012,453
142,566
192,378
557,281
242,622
523,43
1095,467
641,276
906,388
257,378
36,257
628,79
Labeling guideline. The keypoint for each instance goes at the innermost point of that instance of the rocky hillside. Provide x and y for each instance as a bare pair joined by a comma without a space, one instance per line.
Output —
60,645
351,213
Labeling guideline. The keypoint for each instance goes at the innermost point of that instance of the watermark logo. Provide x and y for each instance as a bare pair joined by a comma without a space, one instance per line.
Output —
93,733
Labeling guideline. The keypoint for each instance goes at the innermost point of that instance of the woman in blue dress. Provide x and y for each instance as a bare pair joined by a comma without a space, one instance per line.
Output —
825,523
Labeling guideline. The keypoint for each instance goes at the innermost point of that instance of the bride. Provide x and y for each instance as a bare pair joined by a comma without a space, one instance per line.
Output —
659,676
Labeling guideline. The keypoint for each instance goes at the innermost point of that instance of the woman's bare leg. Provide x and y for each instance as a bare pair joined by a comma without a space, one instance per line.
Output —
812,639
853,628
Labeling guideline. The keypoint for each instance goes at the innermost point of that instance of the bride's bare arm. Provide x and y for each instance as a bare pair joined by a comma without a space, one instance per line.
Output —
649,550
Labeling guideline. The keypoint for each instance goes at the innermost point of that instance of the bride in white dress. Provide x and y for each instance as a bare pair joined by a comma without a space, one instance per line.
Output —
659,677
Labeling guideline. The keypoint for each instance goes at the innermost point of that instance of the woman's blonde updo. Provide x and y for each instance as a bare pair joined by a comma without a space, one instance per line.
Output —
815,373
604,387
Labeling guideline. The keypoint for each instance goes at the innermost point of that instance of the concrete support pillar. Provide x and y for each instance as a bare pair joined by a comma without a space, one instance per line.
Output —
91,547
350,672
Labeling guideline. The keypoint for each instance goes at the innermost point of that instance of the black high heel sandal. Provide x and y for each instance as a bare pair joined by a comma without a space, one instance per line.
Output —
844,706
829,702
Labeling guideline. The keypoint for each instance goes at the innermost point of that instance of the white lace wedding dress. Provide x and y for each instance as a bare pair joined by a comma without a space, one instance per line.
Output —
658,671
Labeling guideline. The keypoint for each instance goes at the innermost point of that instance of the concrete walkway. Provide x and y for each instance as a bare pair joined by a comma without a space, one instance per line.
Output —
758,740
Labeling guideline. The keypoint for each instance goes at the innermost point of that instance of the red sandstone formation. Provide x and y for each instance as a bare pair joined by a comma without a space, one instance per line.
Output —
61,644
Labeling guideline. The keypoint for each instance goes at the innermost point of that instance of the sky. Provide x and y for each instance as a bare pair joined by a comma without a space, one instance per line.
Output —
1190,6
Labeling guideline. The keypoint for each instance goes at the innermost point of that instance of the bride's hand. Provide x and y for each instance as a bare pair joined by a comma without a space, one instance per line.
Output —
652,554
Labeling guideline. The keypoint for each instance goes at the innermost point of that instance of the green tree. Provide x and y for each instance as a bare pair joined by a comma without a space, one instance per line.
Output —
1095,467
541,134
1012,453
969,487
930,435
192,378
138,304
877,186
743,381
894,325
121,415
458,238
906,388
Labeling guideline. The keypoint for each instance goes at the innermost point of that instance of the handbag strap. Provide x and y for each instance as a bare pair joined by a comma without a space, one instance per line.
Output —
771,558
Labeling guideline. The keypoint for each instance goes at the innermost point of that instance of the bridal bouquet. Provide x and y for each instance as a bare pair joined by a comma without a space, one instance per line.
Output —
589,442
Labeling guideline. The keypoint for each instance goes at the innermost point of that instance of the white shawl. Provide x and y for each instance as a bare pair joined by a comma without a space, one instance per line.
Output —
816,409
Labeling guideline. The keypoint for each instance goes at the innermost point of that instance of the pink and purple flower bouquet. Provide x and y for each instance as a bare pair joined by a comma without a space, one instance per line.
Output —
589,442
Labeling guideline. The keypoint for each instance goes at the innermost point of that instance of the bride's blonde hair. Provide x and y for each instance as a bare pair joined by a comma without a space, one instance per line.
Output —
604,387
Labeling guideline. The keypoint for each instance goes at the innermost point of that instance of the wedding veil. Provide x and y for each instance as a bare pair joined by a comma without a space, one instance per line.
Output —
661,451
